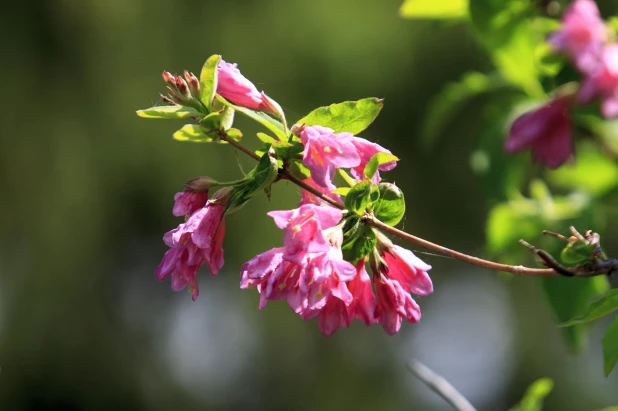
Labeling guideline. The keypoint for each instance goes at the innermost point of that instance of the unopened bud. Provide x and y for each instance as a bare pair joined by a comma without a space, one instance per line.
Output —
297,129
200,184
376,263
169,78
175,97
271,106
194,83
222,196
182,87
166,100
334,236
383,244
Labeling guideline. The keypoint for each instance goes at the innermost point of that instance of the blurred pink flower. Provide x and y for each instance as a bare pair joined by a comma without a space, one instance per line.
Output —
363,305
197,241
603,82
582,35
326,151
366,150
408,270
547,131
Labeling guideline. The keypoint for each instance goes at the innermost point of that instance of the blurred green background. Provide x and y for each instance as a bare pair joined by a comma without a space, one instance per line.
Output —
86,194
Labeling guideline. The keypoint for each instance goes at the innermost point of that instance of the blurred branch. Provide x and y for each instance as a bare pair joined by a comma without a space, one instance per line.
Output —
439,385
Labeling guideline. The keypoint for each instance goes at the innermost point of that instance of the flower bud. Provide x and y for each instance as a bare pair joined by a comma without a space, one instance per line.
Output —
182,87
169,78
194,83
222,196
271,106
200,184
297,129
383,244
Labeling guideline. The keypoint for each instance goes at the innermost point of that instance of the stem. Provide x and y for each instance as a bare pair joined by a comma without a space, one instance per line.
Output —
438,249
374,222
439,385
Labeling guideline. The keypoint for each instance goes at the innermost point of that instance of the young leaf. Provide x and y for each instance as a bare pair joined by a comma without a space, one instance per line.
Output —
194,133
376,161
264,119
360,197
432,9
610,347
600,307
568,298
391,206
208,80
358,243
534,396
349,116
169,112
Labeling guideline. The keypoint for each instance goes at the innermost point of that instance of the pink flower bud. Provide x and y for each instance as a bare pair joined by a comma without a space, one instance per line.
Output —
194,83
233,86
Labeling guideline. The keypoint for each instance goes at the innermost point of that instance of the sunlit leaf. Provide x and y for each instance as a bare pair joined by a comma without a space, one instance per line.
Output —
534,396
598,308
376,161
432,9
194,133
349,116
610,347
361,196
264,119
208,80
169,112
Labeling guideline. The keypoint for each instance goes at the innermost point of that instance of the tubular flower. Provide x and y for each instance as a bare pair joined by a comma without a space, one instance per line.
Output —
233,86
186,202
582,35
603,82
400,273
326,151
193,243
547,131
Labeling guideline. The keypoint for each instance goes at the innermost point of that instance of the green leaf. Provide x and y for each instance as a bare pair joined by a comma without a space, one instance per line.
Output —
600,307
208,80
227,118
432,9
342,190
349,116
376,161
534,396
266,171
610,347
196,134
299,170
506,224
358,243
361,196
593,172
576,253
264,119
453,98
391,206
568,298
169,112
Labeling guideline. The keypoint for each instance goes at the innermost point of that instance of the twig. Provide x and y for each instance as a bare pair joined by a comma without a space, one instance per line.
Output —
439,385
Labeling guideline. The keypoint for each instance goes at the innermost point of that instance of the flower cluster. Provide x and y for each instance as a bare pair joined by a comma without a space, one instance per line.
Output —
586,40
320,270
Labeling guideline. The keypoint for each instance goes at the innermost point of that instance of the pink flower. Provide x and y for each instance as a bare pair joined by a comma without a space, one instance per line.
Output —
603,82
187,202
303,227
307,198
197,241
546,131
366,150
394,304
408,270
582,35
363,305
235,87
326,151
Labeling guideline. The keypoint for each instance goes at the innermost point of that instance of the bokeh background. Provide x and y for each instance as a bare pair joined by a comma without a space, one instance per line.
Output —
86,189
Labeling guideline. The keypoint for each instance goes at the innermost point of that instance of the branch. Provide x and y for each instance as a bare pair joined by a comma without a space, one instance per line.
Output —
439,385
